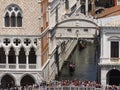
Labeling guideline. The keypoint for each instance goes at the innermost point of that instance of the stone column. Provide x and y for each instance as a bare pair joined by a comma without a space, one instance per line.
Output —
7,61
7,53
38,54
27,61
17,82
103,76
38,63
17,64
86,7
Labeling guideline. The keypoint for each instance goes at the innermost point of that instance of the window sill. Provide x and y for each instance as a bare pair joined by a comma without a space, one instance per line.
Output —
114,59
12,28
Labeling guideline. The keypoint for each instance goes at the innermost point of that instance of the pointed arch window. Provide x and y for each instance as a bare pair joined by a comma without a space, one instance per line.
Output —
13,16
13,20
2,55
11,56
22,56
19,20
7,20
32,56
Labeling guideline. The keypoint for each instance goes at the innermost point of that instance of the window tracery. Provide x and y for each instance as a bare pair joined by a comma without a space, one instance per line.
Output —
13,16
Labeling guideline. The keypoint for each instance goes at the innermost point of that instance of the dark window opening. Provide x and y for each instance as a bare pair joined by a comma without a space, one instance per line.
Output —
13,20
2,56
7,20
69,30
32,56
85,30
11,56
114,49
19,20
22,56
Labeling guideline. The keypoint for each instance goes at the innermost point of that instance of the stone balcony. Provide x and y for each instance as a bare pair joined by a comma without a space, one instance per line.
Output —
19,66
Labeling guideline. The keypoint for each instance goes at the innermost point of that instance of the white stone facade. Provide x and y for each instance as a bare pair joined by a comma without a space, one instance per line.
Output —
109,56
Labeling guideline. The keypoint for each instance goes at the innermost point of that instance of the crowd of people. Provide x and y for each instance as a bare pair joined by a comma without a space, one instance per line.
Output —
71,83
79,83
84,85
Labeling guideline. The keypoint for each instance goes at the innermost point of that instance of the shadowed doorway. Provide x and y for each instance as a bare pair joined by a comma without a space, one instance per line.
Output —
113,77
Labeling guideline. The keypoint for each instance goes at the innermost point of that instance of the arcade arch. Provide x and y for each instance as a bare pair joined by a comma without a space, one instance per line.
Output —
7,81
27,80
113,77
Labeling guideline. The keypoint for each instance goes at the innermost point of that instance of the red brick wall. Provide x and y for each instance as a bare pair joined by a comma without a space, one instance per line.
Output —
45,38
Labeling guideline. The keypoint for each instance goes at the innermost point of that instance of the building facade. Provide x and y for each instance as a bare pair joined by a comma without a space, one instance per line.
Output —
20,57
26,56
109,59
30,33
109,53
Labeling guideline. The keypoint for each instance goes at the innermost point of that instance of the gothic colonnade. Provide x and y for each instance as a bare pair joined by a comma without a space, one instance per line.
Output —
19,51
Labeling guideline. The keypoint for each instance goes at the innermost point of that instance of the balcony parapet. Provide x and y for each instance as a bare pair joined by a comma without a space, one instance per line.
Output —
20,66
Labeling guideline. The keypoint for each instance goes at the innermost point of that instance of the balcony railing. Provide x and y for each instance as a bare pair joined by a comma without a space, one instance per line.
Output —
12,66
19,66
22,66
32,66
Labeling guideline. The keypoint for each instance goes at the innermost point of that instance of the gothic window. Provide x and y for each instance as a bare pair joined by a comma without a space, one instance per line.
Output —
7,20
32,56
13,16
13,20
114,49
19,20
2,56
22,56
11,56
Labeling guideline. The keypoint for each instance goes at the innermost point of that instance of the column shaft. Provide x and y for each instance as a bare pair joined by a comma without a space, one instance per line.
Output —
7,62
17,65
86,7
27,62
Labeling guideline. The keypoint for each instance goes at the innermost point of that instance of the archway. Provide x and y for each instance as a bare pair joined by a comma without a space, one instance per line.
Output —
7,82
27,80
113,77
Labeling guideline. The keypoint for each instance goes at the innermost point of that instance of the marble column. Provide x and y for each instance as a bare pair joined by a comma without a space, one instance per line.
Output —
86,7
17,65
7,53
7,61
27,60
